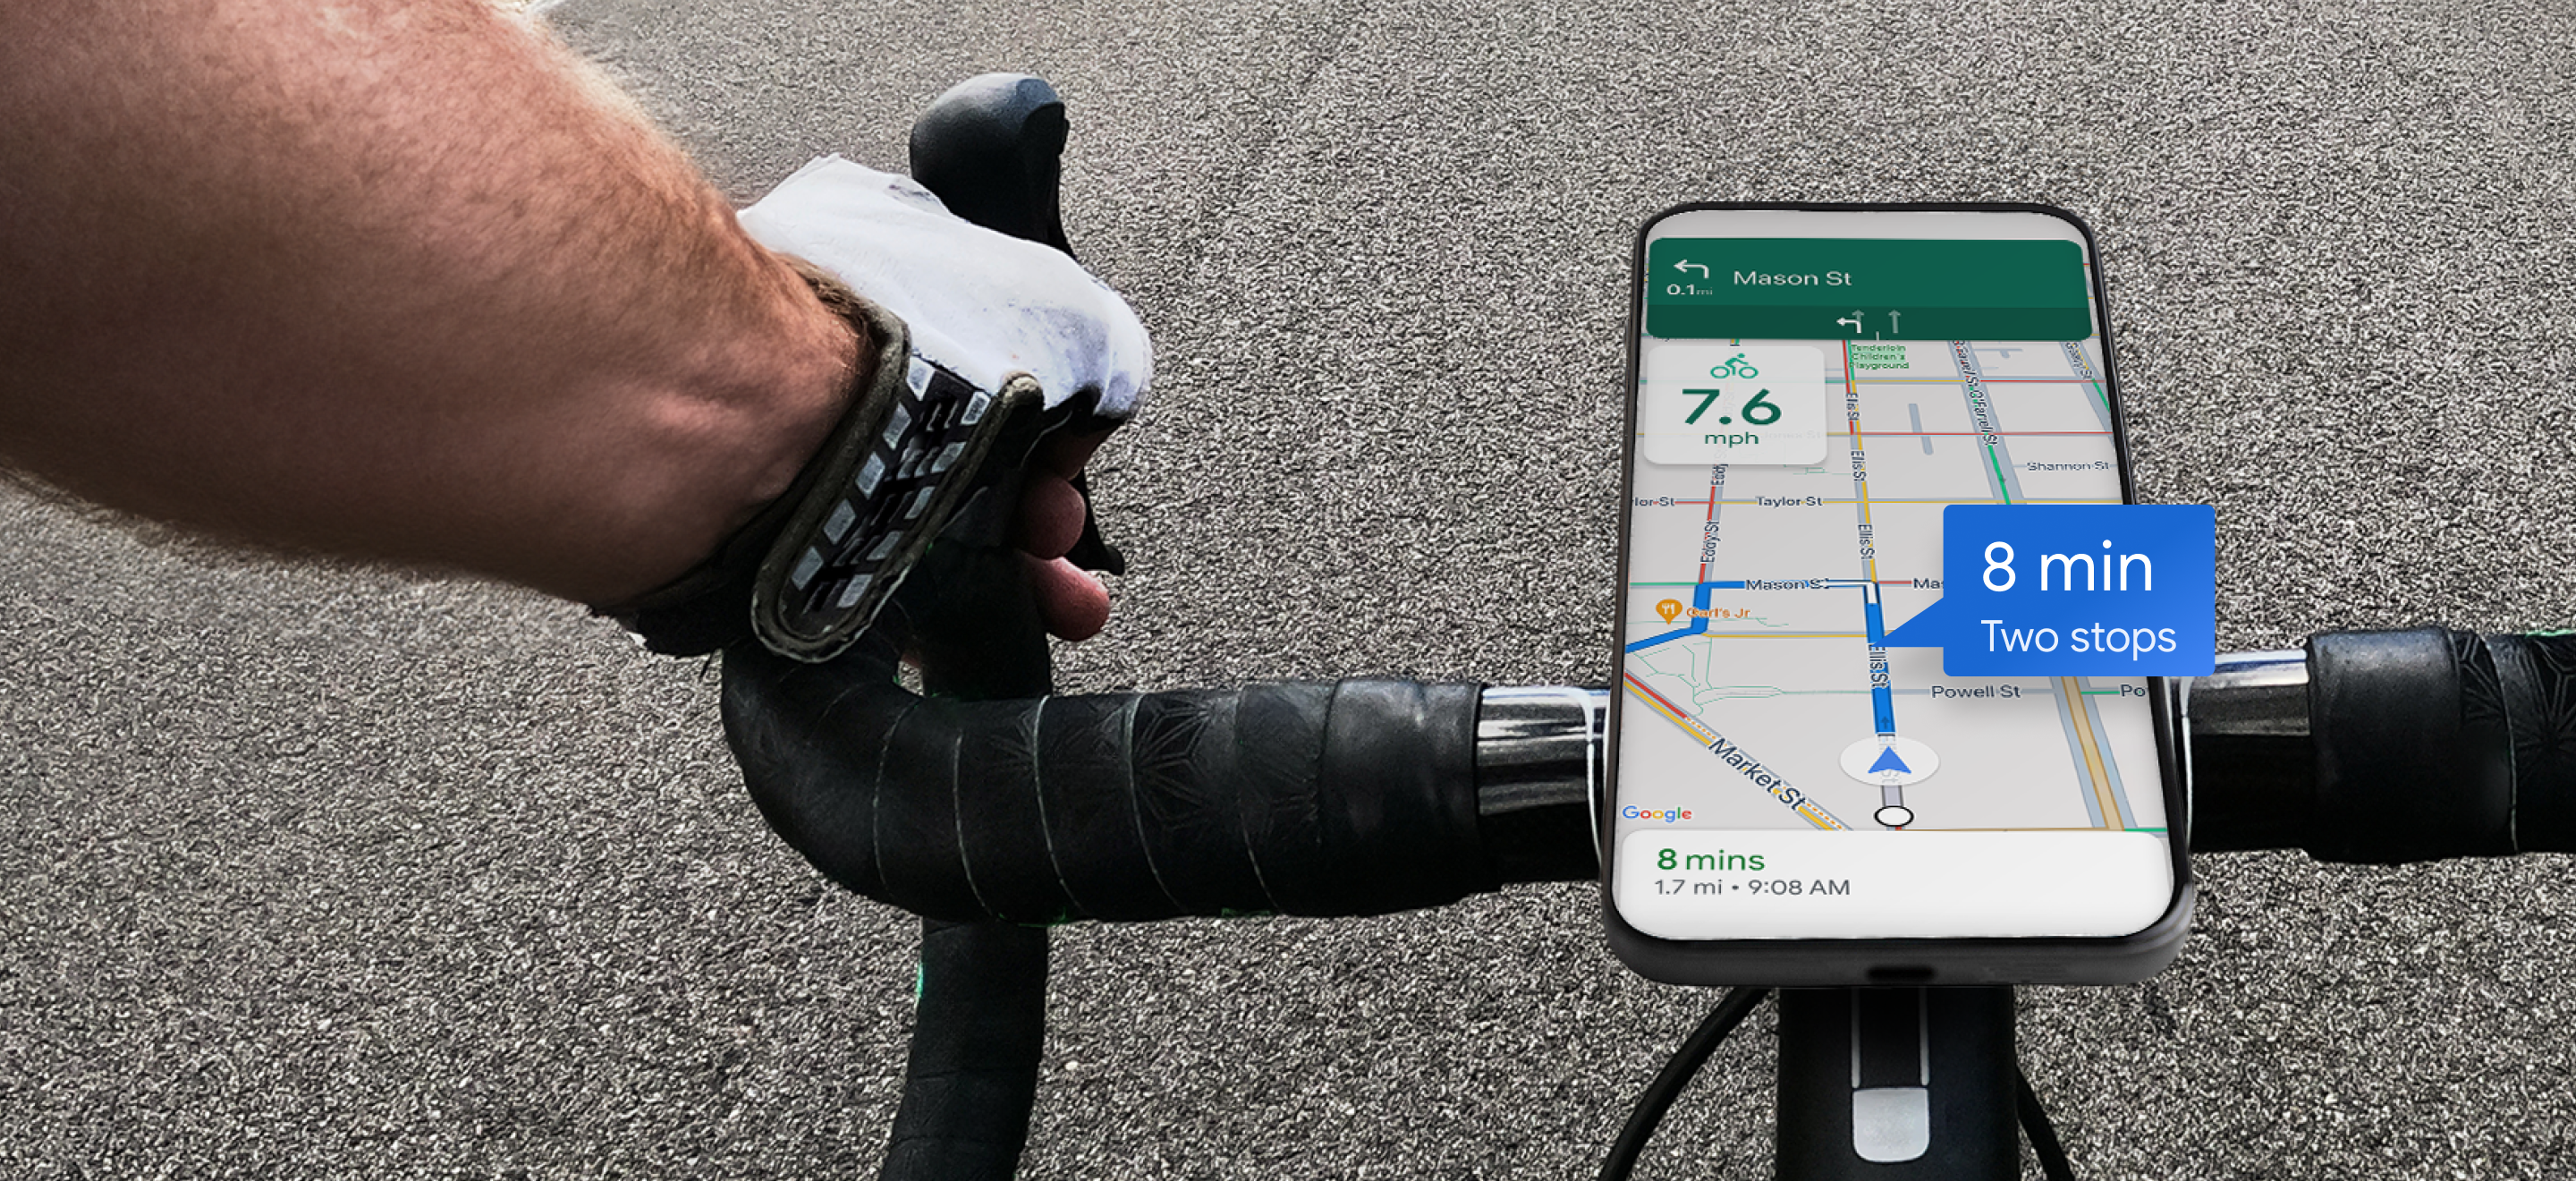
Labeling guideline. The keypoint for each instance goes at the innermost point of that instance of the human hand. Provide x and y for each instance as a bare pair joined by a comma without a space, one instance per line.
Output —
1070,599
986,306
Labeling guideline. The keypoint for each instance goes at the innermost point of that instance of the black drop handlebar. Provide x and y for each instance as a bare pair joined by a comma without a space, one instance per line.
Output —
1369,796
1364,797
990,805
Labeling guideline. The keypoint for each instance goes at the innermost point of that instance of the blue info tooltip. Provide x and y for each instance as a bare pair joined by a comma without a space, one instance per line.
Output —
2073,590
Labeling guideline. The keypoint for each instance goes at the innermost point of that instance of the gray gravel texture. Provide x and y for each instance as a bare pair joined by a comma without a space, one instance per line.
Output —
335,873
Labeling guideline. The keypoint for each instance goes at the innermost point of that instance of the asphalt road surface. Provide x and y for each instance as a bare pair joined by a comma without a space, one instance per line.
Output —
340,873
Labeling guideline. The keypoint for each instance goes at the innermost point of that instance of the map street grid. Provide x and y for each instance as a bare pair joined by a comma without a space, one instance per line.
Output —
1791,574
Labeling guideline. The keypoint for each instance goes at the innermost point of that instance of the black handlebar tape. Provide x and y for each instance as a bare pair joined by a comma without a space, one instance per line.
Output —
988,147
2433,743
978,1034
1351,798
979,1029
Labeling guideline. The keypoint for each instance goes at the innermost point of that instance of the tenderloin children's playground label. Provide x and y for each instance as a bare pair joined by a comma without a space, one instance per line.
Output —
2073,590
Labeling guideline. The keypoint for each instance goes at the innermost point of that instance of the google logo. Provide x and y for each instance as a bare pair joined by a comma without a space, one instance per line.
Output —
1667,815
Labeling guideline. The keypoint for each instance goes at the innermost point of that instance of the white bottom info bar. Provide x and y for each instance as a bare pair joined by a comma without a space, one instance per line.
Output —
1698,884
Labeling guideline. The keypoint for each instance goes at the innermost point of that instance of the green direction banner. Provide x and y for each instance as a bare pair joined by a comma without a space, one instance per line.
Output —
1867,289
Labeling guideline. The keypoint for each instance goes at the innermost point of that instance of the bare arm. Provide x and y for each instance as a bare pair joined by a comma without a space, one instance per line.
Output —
397,280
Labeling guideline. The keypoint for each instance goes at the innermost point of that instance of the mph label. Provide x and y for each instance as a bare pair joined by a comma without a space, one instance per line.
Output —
1702,884
1709,404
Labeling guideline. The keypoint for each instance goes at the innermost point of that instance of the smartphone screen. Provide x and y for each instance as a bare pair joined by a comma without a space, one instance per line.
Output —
1812,388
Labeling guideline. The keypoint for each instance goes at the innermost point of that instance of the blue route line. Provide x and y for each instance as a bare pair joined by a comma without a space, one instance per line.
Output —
1881,696
1698,623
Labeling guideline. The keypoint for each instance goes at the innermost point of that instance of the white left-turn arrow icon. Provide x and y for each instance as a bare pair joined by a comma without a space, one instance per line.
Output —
1687,265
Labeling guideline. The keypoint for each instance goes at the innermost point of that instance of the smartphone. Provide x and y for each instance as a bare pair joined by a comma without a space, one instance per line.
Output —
1789,800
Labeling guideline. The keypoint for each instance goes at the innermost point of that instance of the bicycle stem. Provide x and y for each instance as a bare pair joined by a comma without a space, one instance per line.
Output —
1870,1079
2361,746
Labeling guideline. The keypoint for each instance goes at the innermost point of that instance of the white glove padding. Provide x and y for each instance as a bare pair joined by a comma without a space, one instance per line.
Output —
985,305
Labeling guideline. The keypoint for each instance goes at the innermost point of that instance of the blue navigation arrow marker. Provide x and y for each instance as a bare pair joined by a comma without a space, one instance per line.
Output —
1887,761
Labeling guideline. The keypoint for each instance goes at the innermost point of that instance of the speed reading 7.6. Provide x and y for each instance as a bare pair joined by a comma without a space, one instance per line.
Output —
1734,404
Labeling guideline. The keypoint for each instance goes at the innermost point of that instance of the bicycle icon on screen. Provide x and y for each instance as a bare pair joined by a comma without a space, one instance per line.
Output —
1736,366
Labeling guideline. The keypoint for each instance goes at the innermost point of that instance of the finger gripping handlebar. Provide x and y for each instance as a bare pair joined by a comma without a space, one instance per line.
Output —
1351,798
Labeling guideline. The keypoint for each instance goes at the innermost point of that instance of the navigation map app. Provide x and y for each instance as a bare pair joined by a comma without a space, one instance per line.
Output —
1807,406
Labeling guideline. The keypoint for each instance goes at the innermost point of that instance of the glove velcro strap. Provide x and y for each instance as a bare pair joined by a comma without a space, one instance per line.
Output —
888,484
811,571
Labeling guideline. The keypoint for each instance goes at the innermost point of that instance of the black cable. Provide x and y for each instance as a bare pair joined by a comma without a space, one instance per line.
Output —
2043,1138
1676,1074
